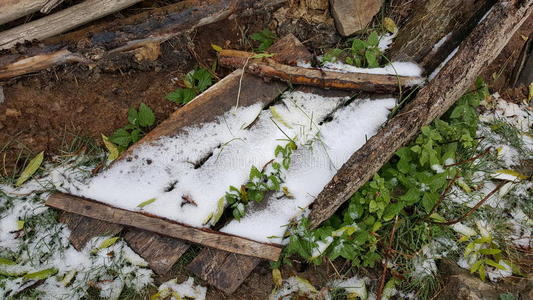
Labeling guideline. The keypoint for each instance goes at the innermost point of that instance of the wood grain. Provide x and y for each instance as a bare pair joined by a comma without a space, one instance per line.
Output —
222,269
204,237
82,229
62,21
476,51
14,9
161,252
271,68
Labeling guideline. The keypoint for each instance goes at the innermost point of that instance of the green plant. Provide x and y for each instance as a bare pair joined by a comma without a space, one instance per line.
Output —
485,252
361,53
265,38
196,81
403,195
139,121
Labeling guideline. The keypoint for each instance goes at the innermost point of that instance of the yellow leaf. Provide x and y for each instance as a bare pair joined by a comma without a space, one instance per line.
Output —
105,244
30,169
149,201
306,283
530,93
20,224
276,277
510,175
68,277
462,184
41,274
218,213
217,48
389,24
112,150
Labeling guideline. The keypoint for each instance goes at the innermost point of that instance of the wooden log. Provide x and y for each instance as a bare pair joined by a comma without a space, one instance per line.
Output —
98,42
447,21
62,21
479,49
204,237
14,9
270,68
222,269
161,252
39,62
82,229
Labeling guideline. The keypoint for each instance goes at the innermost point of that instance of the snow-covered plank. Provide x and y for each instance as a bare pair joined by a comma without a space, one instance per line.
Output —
82,229
205,237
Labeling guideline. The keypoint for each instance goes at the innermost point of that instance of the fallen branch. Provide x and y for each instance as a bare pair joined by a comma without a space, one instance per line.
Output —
62,21
480,48
13,9
270,68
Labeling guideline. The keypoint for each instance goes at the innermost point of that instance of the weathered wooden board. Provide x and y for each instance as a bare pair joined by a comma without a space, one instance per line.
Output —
477,50
14,9
204,237
222,269
161,252
82,229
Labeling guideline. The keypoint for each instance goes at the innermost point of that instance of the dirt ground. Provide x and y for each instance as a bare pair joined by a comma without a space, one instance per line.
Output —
45,111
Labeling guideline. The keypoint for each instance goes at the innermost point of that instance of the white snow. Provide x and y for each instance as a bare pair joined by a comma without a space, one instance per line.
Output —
186,289
313,166
442,64
386,40
395,68
441,42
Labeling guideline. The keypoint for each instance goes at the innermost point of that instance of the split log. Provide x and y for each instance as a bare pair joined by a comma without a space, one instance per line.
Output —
447,21
476,51
270,68
62,21
204,237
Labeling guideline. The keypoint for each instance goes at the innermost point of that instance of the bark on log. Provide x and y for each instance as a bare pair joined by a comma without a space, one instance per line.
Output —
204,237
447,21
62,21
270,68
14,9
477,50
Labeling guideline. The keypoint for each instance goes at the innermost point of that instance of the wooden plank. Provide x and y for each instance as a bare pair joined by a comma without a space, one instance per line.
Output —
270,68
204,237
82,229
479,49
161,252
222,269
14,9
62,21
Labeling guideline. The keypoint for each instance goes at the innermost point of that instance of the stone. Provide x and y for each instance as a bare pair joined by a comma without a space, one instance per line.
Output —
352,16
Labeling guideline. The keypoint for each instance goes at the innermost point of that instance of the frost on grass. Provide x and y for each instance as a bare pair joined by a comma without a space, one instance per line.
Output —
185,290
182,177
34,247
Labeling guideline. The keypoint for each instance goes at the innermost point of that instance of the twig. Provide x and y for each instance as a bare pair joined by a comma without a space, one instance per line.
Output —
379,291
240,82
441,198
487,151
473,209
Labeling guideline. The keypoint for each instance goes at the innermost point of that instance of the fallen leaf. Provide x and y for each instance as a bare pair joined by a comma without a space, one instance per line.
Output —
30,169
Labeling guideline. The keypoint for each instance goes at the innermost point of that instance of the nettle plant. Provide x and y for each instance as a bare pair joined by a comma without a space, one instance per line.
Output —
260,182
195,82
140,121
265,38
406,188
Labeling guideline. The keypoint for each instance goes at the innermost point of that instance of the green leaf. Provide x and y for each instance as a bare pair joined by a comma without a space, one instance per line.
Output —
146,116
112,150
373,39
203,78
490,262
262,55
476,266
133,116
265,37
506,296
5,261
358,45
121,137
43,274
429,200
181,95
30,169
489,251
20,224
149,201
371,60
221,203
217,48
105,244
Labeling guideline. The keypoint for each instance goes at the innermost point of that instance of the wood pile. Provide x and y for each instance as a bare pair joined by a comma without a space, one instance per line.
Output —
478,33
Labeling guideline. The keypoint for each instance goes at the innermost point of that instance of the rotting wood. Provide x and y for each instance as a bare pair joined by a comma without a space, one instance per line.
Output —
204,237
122,37
447,21
62,21
14,9
82,229
39,62
477,50
270,68
222,269
161,252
